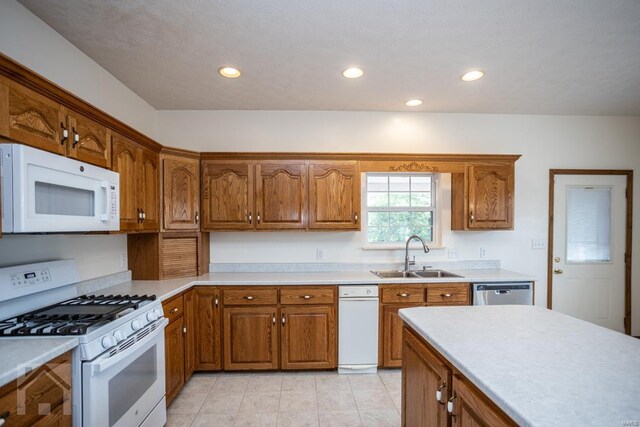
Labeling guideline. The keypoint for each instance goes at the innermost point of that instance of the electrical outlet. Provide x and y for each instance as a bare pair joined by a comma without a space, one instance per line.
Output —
123,261
320,254
453,253
538,244
483,252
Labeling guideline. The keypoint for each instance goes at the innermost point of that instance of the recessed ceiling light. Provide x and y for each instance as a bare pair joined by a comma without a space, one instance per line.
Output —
353,73
229,72
472,75
413,102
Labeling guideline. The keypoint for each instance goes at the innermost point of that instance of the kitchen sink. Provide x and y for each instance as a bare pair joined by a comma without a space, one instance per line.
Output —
417,274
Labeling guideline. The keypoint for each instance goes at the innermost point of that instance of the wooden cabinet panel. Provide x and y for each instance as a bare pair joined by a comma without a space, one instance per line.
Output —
88,141
47,396
250,296
250,338
208,346
281,195
391,334
402,293
181,193
173,308
491,196
125,160
472,408
179,256
190,321
227,195
448,294
307,295
308,337
334,195
174,358
149,190
31,118
423,374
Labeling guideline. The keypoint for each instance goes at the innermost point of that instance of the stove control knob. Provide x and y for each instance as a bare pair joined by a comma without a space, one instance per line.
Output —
119,335
152,316
109,341
137,324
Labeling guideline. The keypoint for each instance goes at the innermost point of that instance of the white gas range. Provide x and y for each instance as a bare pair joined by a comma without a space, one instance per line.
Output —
118,370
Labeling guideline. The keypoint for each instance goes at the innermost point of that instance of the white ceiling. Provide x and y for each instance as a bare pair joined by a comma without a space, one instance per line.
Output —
540,56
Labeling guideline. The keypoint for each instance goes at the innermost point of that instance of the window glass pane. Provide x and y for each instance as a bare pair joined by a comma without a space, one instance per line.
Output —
588,224
399,234
422,218
398,183
378,234
378,199
421,199
378,219
424,232
377,183
399,199
420,183
400,218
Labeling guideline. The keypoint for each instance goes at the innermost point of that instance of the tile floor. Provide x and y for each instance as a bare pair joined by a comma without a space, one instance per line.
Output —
288,399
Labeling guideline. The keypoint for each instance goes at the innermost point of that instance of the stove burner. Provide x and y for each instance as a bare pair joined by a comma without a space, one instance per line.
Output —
74,316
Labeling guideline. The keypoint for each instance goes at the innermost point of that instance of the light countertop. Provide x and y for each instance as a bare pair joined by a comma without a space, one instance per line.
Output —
21,355
541,367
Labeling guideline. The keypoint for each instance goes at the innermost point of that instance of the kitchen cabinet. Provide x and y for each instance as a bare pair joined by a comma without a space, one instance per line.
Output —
483,197
208,350
227,195
281,195
139,184
190,329
448,294
472,408
88,141
391,334
174,347
250,337
334,195
181,192
40,398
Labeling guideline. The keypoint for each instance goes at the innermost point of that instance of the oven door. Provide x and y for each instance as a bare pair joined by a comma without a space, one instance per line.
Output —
123,389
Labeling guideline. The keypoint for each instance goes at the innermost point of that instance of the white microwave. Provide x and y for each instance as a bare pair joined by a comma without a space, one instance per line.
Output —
47,193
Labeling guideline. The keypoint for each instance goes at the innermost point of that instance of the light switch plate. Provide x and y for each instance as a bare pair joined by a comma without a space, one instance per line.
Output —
453,253
538,244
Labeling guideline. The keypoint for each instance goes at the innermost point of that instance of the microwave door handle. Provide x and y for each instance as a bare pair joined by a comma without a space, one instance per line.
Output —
105,215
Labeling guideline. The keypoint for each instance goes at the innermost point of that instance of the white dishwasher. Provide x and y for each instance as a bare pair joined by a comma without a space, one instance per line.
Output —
358,329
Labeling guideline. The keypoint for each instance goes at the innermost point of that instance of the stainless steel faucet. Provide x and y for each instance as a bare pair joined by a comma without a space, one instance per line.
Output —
407,263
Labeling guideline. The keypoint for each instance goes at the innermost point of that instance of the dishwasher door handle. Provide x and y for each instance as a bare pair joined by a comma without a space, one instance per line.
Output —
503,292
359,299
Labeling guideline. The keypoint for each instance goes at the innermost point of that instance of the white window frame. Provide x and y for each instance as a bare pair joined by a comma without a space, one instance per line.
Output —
436,198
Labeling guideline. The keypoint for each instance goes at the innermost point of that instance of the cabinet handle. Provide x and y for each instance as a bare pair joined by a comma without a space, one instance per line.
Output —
76,137
307,296
355,217
258,217
184,330
139,215
403,295
273,319
283,320
439,393
450,405
4,417
472,218
248,298
445,295
250,218
65,134
173,310
197,217
144,215
216,301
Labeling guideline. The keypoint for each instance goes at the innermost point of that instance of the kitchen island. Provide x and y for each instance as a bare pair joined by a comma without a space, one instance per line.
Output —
524,365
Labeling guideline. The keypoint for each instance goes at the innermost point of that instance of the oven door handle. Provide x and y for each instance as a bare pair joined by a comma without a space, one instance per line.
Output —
103,363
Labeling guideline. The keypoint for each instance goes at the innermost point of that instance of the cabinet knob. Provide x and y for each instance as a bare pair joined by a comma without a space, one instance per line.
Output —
3,417
76,137
403,295
355,217
173,310
439,393
249,218
450,404
471,217
273,319
445,295
258,218
197,217
283,320
307,296
65,134
216,302
248,297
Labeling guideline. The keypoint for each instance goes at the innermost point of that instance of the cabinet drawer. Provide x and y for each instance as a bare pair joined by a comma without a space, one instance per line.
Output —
173,308
448,294
308,295
402,293
250,296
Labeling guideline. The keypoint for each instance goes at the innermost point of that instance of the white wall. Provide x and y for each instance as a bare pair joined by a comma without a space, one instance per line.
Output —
31,42
545,142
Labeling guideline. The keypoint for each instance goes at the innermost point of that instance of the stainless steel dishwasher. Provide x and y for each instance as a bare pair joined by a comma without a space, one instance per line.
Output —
514,293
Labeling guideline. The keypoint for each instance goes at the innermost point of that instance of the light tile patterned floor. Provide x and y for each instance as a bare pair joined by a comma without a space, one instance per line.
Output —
289,399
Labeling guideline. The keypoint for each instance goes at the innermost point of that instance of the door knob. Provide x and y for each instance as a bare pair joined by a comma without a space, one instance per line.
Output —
557,271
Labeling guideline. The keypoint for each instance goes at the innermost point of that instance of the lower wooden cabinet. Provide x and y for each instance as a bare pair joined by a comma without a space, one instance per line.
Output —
207,316
41,398
250,338
174,358
308,337
391,334
190,325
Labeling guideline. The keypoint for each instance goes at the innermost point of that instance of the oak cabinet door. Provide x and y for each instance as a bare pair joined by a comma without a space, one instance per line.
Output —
334,195
423,374
149,189
190,322
491,190
250,338
31,118
391,334
472,409
308,337
181,188
281,195
125,162
89,141
227,195
208,349
174,358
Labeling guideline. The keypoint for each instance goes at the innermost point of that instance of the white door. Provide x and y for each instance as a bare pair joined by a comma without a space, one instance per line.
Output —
589,218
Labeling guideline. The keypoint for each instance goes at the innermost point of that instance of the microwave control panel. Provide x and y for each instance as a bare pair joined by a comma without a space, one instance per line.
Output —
113,211
27,278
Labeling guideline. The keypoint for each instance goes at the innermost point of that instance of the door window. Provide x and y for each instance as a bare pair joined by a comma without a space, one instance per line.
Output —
588,224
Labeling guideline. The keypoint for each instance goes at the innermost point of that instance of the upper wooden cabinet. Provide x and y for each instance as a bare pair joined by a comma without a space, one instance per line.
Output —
281,194
334,195
88,141
227,195
139,170
181,192
482,197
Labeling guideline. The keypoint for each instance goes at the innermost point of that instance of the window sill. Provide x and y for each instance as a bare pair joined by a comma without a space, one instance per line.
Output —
398,246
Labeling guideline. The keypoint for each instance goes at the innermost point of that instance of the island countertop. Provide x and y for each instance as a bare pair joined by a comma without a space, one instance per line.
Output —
541,367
